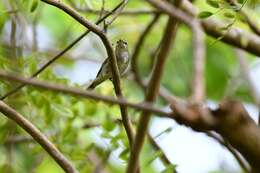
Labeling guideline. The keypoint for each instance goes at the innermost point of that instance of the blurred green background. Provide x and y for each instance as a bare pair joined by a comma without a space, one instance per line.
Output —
32,32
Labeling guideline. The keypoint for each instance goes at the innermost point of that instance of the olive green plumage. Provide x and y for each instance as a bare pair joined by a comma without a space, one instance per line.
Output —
122,57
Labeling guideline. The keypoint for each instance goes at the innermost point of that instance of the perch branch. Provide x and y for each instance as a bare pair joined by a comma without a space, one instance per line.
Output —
86,94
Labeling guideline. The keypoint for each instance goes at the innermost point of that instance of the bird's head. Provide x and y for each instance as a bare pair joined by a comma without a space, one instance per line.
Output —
121,45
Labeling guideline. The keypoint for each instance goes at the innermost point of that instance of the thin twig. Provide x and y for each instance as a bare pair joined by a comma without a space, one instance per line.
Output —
255,94
138,47
39,137
102,9
156,146
128,12
117,13
234,152
81,93
60,54
240,54
253,26
18,140
211,27
198,65
198,45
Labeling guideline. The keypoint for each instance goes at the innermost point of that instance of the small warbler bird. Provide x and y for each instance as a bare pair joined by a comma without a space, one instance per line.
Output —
122,57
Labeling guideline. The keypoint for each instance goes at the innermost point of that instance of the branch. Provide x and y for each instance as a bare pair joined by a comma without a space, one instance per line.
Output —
81,93
230,120
240,130
198,46
233,37
234,152
111,55
38,136
157,147
117,13
198,65
246,75
56,57
211,27
249,21
240,54
128,12
151,94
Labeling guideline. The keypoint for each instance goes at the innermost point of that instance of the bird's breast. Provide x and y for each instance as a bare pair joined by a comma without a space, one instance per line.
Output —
123,57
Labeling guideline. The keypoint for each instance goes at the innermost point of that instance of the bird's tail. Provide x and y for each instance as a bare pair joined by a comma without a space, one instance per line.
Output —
91,86
95,83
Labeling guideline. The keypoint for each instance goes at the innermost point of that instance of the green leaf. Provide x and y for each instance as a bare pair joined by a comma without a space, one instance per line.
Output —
240,1
170,169
109,124
155,155
34,5
224,28
124,154
213,3
106,135
205,14
229,15
168,130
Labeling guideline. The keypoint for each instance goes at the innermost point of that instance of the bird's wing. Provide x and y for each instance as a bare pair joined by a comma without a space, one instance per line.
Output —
102,75
102,67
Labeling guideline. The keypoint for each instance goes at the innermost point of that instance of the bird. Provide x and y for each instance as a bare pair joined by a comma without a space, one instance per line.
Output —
123,59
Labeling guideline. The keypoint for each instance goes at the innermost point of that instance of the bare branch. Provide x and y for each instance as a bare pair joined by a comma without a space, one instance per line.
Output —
173,12
151,94
156,146
240,54
137,49
198,65
251,23
118,12
38,137
245,134
198,46
230,120
234,152
81,93
255,94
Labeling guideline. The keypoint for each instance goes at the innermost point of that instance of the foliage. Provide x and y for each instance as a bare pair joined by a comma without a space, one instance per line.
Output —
32,32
